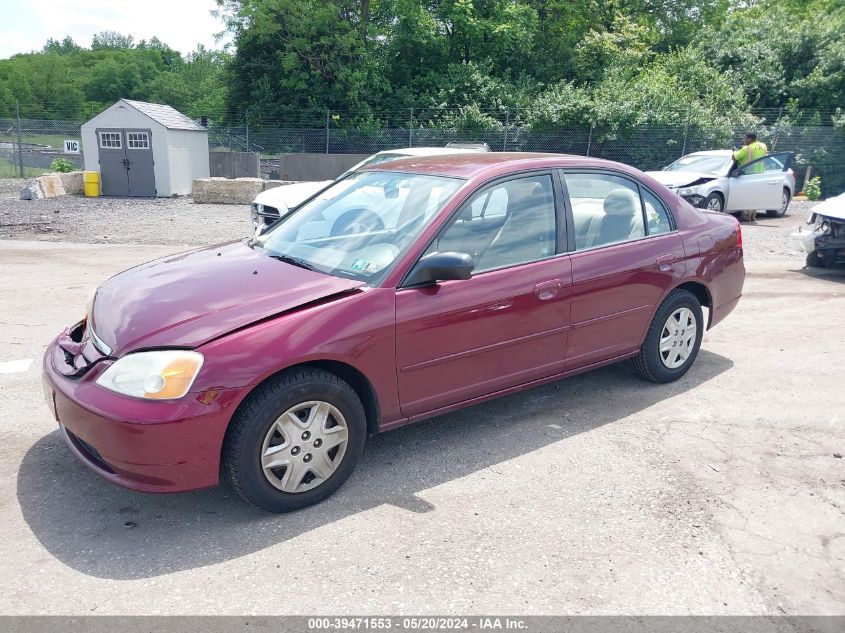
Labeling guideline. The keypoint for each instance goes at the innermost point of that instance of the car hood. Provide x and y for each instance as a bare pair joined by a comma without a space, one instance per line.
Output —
188,299
290,196
680,178
832,207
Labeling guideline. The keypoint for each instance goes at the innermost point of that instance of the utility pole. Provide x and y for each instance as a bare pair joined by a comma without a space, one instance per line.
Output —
328,119
507,127
686,133
589,141
411,130
20,141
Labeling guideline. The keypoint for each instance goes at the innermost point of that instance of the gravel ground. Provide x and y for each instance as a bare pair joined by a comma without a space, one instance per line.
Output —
170,221
175,221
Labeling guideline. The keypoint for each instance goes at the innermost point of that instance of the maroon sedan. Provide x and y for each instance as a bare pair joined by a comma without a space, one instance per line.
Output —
273,359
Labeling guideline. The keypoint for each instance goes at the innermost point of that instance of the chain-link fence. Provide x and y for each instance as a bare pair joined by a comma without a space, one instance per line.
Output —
28,147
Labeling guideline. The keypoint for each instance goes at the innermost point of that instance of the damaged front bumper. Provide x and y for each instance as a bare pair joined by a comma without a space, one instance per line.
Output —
822,239
695,200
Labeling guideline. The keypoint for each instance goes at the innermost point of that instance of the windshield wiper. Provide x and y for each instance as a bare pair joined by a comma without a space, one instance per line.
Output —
295,261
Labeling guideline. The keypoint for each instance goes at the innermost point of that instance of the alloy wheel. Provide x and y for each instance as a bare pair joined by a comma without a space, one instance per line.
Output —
677,340
304,446
714,204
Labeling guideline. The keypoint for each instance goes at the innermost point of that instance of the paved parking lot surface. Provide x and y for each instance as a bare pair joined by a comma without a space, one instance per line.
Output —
720,493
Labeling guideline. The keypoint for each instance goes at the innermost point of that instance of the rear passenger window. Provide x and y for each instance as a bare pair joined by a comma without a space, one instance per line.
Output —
606,209
657,216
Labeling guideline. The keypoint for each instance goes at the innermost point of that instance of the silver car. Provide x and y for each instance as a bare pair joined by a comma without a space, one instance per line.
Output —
711,180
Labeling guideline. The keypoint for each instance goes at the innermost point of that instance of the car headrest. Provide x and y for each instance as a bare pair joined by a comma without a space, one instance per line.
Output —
621,202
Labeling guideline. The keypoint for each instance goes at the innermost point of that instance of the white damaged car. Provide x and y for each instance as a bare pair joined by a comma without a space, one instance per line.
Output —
823,237
710,180
272,204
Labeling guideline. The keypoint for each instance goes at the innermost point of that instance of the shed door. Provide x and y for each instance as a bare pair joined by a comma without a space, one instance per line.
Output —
139,162
126,162
113,174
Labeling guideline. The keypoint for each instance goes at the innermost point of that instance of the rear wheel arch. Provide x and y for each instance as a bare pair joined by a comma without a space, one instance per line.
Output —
699,290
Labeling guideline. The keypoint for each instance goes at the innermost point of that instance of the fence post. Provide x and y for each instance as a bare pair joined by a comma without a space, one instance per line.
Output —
589,141
686,134
328,127
777,129
246,121
411,130
507,128
20,140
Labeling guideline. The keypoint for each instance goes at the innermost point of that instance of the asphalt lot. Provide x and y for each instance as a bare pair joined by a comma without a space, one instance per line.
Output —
718,494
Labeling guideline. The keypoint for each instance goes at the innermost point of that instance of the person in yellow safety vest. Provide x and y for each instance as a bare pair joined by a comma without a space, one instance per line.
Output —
751,150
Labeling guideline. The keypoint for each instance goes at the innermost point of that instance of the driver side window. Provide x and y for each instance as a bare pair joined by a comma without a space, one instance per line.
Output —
508,223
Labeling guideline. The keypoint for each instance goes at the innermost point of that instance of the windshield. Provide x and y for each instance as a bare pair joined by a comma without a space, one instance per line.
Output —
359,226
703,163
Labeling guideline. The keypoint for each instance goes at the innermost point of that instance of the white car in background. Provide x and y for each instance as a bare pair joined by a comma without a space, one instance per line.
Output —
710,180
272,204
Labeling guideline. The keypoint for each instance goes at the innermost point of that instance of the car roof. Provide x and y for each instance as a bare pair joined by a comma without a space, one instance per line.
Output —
712,152
472,164
428,151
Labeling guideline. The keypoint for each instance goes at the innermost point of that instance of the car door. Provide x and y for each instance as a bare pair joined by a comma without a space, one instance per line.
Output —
508,324
759,184
626,254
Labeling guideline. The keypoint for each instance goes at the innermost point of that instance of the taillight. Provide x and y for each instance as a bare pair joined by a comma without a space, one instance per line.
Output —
738,235
792,171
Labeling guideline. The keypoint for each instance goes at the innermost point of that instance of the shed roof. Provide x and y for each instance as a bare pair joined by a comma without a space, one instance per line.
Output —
165,115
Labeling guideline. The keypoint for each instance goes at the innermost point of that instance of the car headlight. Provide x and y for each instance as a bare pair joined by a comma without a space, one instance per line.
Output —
686,191
160,375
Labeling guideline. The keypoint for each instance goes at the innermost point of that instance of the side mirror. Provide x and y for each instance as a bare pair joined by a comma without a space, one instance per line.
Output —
436,267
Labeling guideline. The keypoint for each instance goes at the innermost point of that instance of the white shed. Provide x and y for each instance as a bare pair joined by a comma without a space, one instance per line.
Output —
145,149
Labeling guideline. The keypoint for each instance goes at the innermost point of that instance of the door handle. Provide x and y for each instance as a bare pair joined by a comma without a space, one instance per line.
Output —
668,258
547,289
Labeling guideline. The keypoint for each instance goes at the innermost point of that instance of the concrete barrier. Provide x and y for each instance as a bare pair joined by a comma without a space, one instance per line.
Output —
231,190
53,185
72,182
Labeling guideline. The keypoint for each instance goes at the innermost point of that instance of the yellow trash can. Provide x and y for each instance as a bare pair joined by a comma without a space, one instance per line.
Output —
91,180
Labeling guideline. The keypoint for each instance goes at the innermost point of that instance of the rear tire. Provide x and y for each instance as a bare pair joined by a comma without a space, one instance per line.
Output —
785,200
291,420
670,349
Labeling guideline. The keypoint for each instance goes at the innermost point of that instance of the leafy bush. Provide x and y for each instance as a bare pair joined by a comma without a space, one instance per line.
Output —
813,188
63,165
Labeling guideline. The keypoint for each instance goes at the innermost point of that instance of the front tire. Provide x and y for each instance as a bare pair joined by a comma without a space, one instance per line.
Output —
784,205
815,261
673,339
714,202
295,440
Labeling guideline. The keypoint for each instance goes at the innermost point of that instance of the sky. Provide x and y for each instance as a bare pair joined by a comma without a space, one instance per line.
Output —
25,25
